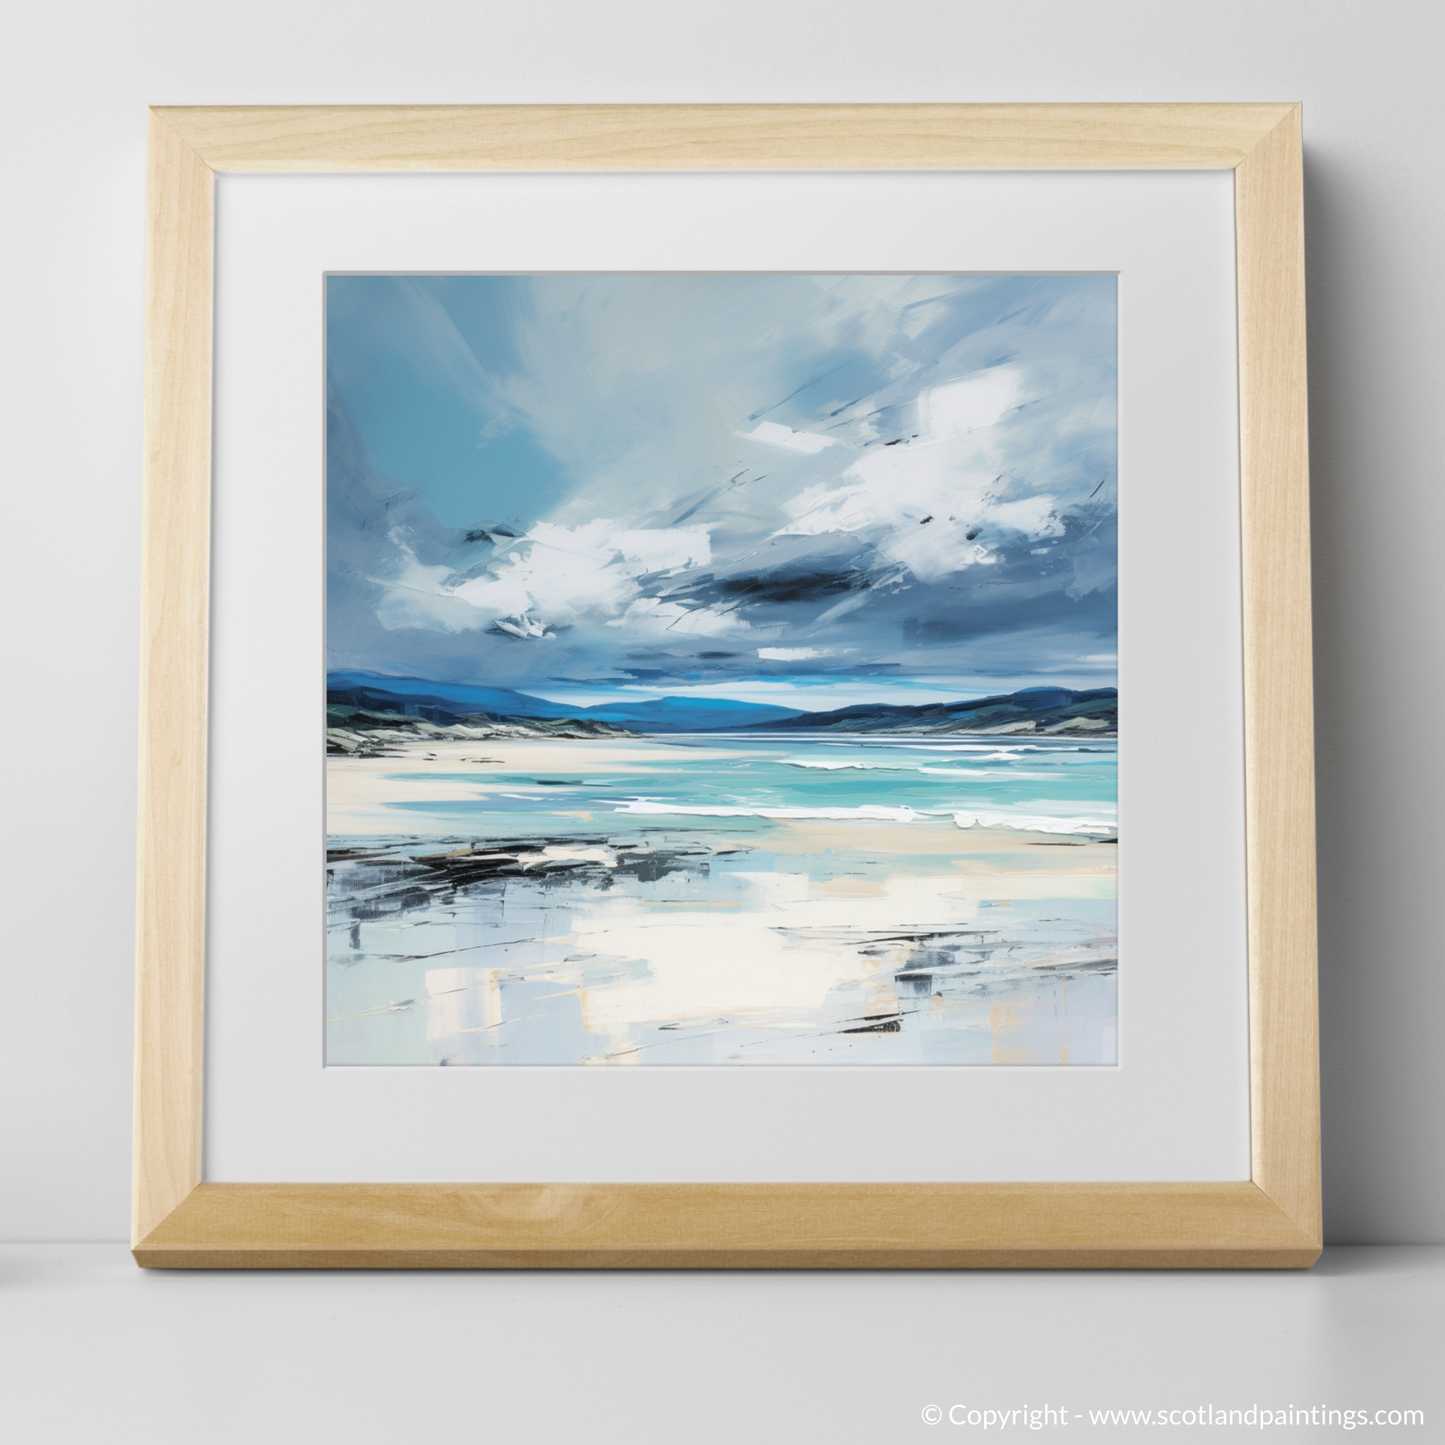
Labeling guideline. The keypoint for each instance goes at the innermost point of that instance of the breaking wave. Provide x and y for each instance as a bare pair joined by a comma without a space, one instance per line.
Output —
911,767
875,811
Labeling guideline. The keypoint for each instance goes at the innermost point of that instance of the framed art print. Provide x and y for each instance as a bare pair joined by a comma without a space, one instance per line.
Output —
784,607
758,698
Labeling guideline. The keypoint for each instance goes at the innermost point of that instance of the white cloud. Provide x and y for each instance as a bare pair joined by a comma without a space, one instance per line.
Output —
663,549
783,436
976,401
523,626
797,654
553,576
566,574
1033,516
917,504
830,508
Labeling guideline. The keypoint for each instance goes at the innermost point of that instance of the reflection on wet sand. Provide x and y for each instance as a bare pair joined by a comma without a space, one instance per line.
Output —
723,940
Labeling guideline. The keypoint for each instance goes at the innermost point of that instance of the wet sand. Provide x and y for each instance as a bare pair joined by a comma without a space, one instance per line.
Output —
632,940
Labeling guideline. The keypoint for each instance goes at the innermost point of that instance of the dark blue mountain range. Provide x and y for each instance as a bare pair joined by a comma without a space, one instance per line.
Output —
445,703
449,702
1051,708
380,693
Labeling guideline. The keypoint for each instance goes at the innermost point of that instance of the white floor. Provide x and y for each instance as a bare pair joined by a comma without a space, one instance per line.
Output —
93,1349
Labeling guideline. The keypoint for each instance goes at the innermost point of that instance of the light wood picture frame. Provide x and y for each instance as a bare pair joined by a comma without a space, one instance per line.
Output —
1272,1220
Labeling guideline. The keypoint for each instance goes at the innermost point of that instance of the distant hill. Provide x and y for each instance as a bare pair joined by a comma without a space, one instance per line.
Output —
1051,710
690,714
360,732
448,703
361,699
377,692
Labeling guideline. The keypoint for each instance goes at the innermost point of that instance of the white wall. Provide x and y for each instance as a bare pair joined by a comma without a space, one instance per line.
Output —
75,83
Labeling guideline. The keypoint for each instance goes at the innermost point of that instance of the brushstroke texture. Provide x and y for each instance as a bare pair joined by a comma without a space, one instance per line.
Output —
721,670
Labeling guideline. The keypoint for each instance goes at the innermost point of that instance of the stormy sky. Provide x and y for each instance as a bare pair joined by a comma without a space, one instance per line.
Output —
806,490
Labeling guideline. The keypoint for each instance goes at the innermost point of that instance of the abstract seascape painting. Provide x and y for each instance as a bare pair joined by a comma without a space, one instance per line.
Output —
721,670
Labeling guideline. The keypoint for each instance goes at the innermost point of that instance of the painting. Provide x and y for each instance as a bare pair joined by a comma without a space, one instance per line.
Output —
721,670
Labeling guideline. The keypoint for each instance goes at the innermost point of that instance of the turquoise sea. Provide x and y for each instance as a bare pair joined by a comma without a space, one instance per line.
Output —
1062,786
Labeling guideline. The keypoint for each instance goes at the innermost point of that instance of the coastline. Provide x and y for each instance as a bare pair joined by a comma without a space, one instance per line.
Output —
359,801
